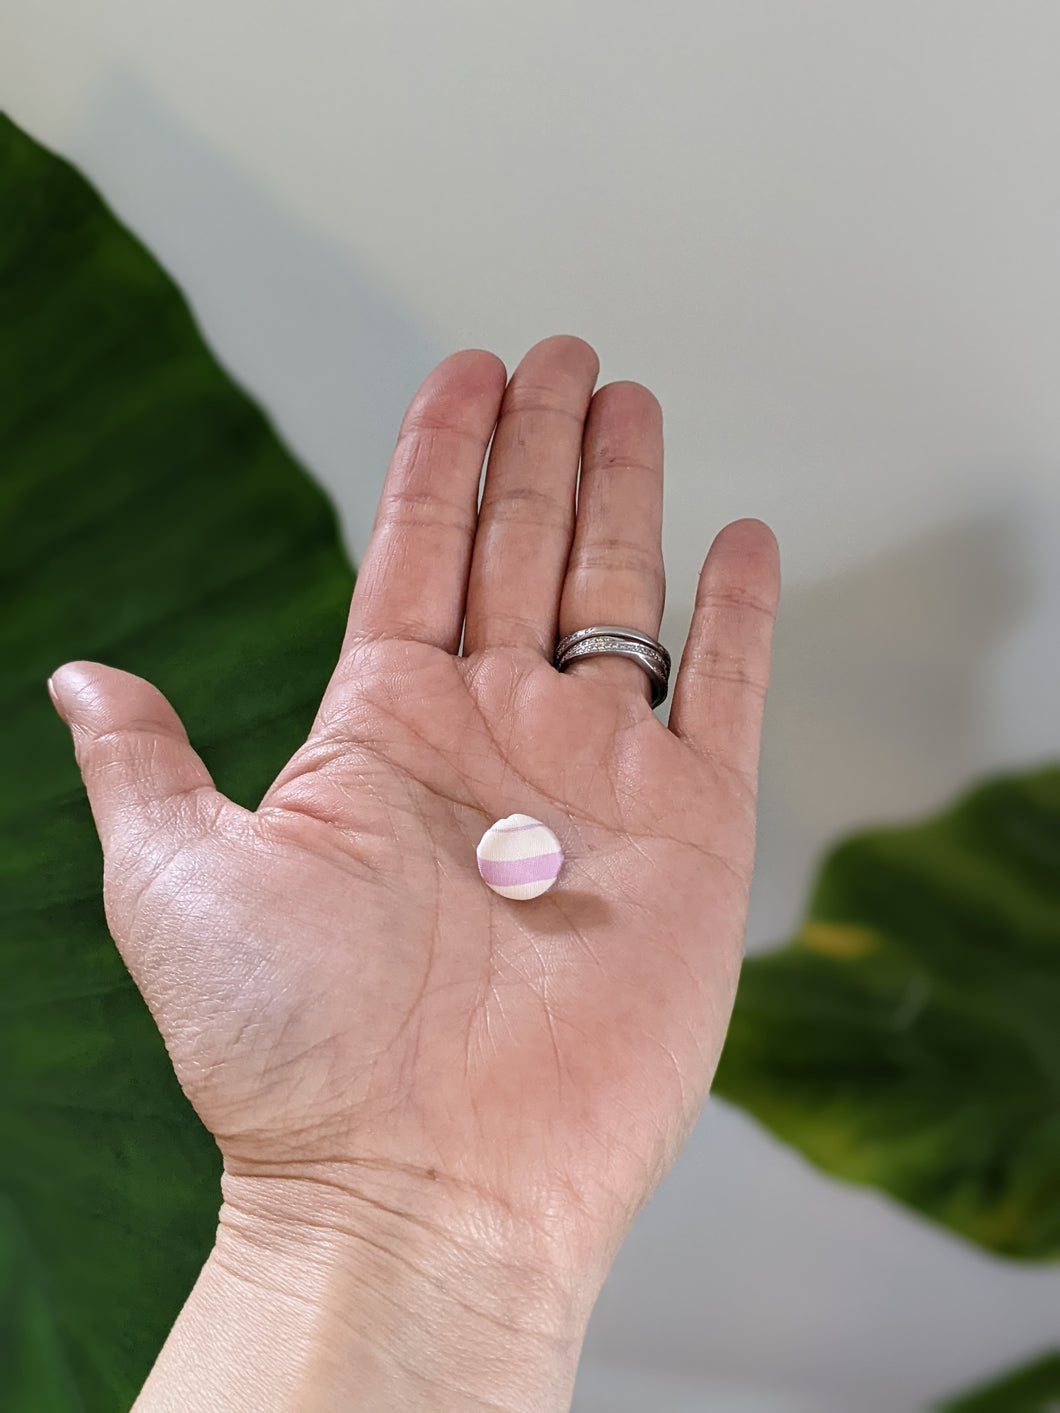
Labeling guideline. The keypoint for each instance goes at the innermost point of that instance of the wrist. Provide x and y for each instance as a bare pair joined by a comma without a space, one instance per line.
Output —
321,1295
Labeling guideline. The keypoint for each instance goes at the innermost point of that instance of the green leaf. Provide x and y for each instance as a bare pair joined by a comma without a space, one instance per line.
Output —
31,1350
151,520
909,1036
1033,1389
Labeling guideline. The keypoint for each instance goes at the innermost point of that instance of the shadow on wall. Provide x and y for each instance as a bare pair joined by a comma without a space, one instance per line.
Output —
876,699
615,1387
748,1265
324,346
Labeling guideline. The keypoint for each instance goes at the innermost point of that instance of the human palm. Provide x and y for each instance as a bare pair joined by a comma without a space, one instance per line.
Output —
338,989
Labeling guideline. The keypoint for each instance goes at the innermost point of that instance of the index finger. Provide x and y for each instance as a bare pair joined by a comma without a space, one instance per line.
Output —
412,583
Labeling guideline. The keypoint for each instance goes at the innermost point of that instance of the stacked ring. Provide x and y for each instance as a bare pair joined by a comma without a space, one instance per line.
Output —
625,642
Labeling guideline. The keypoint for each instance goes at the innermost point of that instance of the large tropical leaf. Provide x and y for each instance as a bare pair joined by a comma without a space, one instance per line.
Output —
151,520
909,1036
1033,1389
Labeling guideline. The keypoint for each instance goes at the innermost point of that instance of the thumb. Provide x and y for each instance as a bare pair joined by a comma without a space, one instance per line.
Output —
144,780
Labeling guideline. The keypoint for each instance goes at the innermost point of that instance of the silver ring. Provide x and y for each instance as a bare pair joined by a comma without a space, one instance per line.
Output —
623,642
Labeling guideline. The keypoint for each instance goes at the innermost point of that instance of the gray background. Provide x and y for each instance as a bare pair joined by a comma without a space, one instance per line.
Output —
827,235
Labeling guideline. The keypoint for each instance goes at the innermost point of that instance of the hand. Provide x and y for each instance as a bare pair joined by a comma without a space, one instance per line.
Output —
376,1040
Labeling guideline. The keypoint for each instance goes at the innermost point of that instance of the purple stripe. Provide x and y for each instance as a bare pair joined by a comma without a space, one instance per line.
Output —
509,871
514,828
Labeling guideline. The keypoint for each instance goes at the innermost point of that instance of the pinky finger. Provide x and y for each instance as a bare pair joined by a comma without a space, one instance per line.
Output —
720,692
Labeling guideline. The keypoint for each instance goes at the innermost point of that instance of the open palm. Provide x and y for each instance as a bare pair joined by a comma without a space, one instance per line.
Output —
341,994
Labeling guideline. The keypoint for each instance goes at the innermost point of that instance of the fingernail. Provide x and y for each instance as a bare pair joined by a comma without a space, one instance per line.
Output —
55,700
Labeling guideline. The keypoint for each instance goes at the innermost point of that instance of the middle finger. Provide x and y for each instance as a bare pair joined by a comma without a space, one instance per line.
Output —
526,519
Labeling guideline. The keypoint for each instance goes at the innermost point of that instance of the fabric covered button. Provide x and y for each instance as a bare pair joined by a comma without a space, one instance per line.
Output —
519,857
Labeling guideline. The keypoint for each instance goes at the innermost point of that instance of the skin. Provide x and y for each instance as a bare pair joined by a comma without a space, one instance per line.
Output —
440,1110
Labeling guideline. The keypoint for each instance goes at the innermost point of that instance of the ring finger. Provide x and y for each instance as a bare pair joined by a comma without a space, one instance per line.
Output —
615,572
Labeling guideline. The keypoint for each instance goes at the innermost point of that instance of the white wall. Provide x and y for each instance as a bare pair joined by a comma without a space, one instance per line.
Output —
828,236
